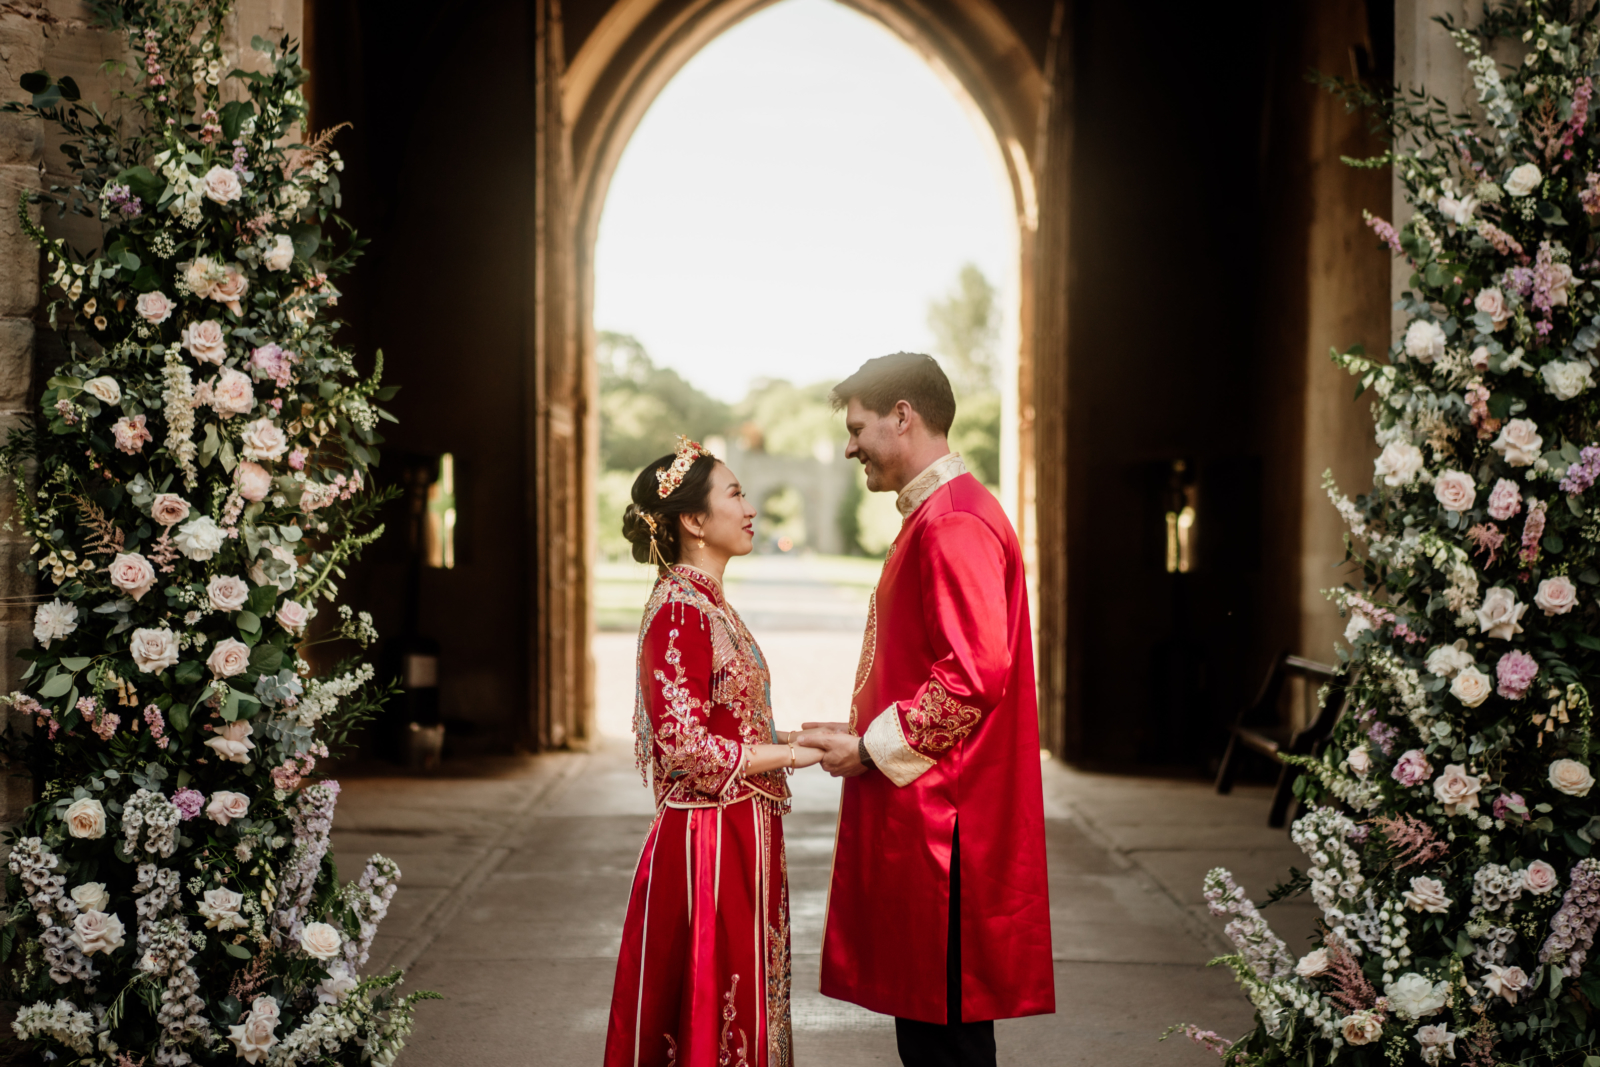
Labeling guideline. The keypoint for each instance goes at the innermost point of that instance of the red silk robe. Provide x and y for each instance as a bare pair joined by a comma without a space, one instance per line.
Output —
946,703
703,974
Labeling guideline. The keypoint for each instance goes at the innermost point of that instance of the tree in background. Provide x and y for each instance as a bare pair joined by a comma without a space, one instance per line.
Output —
966,338
643,407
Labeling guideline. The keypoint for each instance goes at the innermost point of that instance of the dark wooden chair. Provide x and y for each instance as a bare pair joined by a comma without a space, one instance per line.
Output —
1248,733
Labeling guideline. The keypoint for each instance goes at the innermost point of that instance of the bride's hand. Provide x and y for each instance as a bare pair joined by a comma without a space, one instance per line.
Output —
827,727
806,757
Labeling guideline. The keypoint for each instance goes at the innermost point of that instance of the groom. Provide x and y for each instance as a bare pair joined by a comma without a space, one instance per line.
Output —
939,911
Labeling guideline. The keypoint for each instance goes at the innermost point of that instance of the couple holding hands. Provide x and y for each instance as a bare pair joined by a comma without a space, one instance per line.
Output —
938,912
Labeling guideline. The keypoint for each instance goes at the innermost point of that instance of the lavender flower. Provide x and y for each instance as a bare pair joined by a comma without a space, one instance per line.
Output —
312,820
1581,475
1383,735
1573,925
369,900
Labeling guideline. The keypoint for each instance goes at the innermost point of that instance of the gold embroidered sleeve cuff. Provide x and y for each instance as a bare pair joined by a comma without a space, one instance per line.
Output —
887,744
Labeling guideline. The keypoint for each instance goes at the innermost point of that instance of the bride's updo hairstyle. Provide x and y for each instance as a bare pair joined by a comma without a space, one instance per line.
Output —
691,497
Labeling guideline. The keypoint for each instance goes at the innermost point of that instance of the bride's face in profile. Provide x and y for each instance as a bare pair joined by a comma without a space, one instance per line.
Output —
728,525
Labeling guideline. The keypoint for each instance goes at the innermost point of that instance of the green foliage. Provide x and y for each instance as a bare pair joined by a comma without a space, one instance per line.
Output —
643,407
966,329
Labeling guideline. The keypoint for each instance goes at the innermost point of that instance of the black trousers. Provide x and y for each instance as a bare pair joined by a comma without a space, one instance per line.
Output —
955,1043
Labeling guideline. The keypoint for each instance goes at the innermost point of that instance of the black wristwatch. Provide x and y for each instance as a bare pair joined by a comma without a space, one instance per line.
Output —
862,753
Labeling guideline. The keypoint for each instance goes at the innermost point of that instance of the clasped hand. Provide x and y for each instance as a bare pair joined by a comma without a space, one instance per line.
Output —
841,754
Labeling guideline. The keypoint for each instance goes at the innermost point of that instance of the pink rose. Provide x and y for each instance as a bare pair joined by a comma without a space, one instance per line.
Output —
226,806
293,616
1455,490
169,509
1505,500
154,308
254,480
1502,807
227,593
232,394
1480,358
230,290
232,741
1556,596
273,362
1456,790
132,573
204,341
1540,878
1516,671
154,650
130,434
263,440
229,658
221,185
1492,302
1412,768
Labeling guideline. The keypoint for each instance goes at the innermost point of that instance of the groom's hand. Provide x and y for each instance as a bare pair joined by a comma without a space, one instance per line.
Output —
840,749
827,727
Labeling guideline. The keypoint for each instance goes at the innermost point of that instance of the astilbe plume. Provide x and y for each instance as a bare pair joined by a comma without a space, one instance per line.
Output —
1351,990
1413,840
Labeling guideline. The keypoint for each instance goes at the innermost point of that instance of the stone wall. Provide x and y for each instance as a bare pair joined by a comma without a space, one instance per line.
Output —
54,35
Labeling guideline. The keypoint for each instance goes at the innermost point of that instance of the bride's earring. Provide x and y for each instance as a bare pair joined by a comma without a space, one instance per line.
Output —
702,542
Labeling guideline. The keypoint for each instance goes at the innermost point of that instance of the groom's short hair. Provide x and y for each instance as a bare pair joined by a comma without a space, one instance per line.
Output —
917,379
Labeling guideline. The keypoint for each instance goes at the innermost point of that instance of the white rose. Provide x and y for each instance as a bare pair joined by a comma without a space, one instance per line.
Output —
232,394
1492,302
85,818
201,275
1455,788
1412,994
154,308
1454,490
54,620
1425,341
253,1037
263,440
1523,180
226,806
232,741
1505,982
1480,358
280,255
221,185
1540,878
1362,1028
220,909
1566,380
1426,894
1501,613
104,389
1398,464
154,650
1556,596
1457,211
285,580
227,593
229,658
1313,964
132,573
293,616
1571,777
204,340
1447,661
321,940
1438,1044
199,538
1519,442
91,896
96,931
334,988
1471,686
1359,760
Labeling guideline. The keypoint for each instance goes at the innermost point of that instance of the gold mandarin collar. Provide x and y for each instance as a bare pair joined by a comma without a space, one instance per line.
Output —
920,488
684,570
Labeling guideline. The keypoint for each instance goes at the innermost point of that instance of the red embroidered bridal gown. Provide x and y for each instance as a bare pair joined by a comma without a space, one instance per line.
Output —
703,977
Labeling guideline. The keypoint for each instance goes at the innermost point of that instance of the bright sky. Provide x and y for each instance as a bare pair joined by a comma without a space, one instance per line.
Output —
792,201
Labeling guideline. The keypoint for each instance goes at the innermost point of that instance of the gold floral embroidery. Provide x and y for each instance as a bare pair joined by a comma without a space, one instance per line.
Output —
869,645
939,721
727,1056
780,1040
690,753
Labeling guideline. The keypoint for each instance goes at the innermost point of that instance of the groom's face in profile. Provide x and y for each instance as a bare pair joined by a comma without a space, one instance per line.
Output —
878,443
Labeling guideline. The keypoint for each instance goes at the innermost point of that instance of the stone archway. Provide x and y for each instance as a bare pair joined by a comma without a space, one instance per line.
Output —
586,111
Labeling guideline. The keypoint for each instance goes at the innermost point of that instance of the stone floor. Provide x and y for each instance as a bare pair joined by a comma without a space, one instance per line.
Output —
516,873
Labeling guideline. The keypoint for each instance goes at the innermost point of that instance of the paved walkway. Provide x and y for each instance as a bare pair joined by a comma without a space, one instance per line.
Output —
516,874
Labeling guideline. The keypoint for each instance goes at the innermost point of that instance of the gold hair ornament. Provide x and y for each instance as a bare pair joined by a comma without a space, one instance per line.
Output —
655,549
670,478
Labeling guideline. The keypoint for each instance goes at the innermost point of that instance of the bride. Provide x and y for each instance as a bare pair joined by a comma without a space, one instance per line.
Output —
703,976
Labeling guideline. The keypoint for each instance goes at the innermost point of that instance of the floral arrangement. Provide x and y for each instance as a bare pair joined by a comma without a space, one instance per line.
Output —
192,487
1451,823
